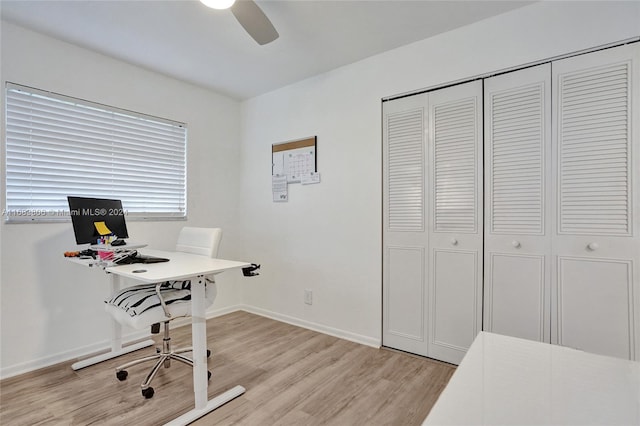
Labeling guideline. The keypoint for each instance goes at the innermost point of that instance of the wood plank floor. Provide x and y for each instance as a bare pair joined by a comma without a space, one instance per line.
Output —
293,376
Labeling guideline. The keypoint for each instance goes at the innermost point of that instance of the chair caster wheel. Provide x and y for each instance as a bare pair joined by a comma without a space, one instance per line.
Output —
208,375
208,353
122,375
148,392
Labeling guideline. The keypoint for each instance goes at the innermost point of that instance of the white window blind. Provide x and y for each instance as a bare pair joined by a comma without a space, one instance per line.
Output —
58,146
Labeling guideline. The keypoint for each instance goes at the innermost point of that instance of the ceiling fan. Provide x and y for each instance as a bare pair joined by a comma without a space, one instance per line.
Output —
250,16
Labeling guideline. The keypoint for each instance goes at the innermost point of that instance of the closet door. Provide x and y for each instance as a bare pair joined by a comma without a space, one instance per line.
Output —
432,233
455,237
517,144
405,235
596,277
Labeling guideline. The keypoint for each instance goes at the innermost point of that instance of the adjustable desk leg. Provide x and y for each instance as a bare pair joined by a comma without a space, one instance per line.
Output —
116,337
199,343
116,328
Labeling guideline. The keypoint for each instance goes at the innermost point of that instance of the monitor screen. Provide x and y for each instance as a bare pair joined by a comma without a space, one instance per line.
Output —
87,212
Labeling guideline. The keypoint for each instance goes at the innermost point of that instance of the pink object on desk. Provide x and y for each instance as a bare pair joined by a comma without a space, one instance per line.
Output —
105,255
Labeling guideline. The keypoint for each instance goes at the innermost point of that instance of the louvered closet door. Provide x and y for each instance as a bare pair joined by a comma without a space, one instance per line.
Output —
405,236
596,281
517,160
455,238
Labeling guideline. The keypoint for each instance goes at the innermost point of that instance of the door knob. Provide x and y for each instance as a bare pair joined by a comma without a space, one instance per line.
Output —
454,242
516,244
592,246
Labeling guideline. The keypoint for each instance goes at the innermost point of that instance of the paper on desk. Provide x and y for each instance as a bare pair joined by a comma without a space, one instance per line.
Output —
102,229
279,188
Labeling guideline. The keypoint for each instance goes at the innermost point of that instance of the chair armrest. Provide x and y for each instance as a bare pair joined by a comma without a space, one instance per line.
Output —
164,305
208,279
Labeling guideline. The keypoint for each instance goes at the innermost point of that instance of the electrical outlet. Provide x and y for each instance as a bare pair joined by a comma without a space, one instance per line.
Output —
308,297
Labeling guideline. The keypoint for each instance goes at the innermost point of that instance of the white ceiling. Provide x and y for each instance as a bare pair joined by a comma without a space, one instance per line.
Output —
207,47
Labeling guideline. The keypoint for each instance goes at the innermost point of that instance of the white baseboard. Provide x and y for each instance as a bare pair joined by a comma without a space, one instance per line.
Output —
95,348
224,311
81,352
320,328
135,336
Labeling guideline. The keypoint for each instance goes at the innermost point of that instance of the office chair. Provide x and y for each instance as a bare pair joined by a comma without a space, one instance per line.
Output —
148,305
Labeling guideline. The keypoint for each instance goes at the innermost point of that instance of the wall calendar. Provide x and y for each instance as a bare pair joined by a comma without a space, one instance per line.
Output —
295,159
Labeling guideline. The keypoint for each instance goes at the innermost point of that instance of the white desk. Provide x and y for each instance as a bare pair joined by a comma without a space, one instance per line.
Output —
183,266
507,381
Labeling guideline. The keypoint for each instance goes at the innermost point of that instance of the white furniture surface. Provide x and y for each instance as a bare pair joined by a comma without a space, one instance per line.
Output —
505,380
180,266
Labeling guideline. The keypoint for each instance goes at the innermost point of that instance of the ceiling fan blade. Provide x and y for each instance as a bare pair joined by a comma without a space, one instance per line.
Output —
254,21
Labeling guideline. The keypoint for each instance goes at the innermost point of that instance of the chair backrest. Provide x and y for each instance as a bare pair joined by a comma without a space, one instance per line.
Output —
202,241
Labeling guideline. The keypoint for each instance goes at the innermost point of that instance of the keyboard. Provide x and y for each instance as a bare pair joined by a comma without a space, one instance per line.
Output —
150,259
139,258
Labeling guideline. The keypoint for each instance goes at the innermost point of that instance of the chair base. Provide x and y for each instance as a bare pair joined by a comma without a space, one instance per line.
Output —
163,357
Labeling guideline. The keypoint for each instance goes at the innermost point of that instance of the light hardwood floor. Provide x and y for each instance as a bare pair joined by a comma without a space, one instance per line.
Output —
293,376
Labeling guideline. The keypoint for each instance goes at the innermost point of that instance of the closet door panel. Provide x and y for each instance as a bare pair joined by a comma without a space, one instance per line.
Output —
405,234
454,319
455,238
517,113
405,306
597,181
516,295
594,307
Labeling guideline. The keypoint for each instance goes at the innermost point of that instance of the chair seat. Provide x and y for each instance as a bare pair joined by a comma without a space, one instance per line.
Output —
178,303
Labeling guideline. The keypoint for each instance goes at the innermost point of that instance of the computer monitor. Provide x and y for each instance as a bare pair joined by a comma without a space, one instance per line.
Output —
86,212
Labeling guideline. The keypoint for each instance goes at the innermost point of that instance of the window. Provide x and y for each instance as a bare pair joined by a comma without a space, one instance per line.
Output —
58,146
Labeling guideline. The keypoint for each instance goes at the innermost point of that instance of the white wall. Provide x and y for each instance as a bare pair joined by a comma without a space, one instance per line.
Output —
50,309
327,238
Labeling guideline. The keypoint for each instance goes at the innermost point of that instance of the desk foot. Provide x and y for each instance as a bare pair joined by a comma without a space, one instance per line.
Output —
111,354
212,404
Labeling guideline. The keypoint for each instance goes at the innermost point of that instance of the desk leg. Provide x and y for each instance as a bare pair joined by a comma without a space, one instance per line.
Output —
116,337
116,328
199,340
199,343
